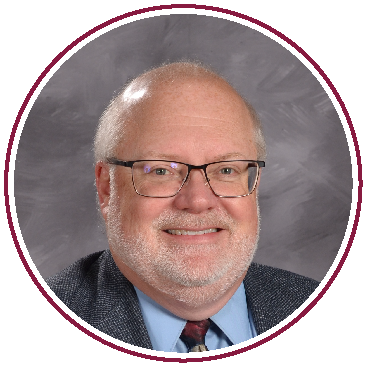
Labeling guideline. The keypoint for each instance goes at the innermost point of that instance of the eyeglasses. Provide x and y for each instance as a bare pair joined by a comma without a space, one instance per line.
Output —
164,179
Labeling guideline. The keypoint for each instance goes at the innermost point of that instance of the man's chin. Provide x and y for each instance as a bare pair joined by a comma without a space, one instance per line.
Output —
193,279
199,288
193,269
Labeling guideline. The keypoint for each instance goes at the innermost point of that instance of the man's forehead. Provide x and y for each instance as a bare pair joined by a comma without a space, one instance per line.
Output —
200,101
201,114
189,140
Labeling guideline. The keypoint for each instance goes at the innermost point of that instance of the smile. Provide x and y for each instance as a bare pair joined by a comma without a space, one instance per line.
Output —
182,232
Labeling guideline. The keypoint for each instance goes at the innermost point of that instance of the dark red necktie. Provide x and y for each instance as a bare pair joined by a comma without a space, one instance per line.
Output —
193,335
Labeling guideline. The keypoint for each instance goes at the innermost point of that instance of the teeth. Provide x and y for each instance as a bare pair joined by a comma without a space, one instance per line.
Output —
191,233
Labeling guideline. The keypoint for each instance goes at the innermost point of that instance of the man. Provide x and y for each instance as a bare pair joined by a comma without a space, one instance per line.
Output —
178,162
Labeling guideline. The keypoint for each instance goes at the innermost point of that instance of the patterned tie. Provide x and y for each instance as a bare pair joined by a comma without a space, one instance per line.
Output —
193,335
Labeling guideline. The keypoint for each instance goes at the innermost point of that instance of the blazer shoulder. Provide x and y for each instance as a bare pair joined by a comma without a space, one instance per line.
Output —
282,278
96,291
274,294
84,271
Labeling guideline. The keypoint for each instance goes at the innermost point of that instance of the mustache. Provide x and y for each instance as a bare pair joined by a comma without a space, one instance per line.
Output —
213,219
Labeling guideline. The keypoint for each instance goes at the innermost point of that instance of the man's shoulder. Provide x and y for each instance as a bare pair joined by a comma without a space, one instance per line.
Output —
91,284
274,294
96,291
82,273
270,276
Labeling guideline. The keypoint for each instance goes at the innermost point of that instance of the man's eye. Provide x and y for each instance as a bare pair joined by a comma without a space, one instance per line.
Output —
161,171
226,171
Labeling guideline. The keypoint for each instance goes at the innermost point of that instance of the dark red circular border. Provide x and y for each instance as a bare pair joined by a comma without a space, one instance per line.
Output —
142,11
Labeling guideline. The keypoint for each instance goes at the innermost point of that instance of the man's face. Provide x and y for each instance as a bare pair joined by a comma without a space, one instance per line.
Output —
193,124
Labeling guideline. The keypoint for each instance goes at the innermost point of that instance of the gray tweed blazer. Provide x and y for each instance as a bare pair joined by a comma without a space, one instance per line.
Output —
95,290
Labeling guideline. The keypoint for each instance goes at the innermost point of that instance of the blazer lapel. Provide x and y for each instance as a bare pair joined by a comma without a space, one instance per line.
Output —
117,311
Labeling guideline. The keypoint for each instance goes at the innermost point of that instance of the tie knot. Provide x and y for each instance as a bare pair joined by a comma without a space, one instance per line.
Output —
193,335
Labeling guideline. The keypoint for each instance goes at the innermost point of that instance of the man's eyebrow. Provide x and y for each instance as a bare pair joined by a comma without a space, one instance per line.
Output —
152,154
173,157
228,156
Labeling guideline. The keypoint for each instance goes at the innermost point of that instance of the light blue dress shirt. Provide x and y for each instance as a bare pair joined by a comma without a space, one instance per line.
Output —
233,324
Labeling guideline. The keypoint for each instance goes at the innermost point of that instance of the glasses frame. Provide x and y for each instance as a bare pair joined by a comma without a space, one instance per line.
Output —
118,162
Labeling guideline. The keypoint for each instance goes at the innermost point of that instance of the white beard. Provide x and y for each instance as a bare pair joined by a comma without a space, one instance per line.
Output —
168,268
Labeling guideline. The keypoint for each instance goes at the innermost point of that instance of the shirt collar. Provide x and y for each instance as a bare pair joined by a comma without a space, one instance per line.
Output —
164,328
233,318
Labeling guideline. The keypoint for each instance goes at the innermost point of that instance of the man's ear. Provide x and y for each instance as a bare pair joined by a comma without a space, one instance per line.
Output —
258,179
258,183
103,186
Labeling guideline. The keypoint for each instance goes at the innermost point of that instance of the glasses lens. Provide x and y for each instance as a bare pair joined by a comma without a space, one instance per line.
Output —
233,178
158,178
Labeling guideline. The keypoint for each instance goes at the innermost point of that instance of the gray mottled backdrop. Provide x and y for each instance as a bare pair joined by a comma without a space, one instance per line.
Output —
305,191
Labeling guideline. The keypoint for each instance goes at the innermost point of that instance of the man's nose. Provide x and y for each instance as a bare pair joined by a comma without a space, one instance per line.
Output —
196,196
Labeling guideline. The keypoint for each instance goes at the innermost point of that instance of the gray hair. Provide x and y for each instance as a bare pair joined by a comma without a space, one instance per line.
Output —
112,124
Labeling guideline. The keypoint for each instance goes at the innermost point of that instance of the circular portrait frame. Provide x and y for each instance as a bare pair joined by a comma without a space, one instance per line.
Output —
149,12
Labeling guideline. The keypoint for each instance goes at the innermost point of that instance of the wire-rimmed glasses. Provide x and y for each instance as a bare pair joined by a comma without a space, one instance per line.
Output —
163,178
